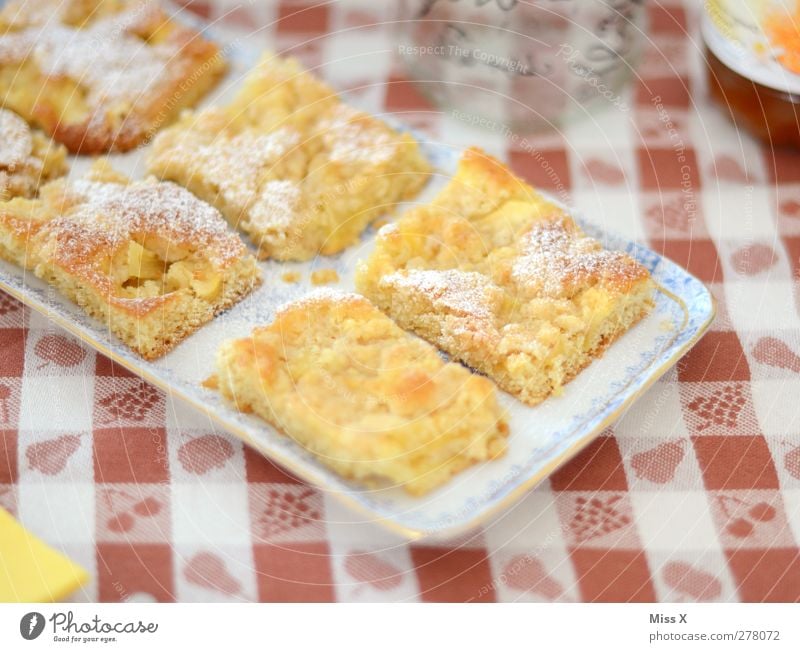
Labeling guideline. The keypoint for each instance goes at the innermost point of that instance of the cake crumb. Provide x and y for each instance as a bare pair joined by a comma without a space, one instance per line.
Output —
324,276
290,277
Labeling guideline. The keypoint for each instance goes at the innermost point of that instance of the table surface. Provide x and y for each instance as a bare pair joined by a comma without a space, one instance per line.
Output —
694,495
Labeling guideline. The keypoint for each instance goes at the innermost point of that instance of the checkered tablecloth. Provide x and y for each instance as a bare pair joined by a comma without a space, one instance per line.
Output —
693,495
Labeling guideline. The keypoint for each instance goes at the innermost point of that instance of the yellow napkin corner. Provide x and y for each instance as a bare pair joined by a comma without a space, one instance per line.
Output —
30,570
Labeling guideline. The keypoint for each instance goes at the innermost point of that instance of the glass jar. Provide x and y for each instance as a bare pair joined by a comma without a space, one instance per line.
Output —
524,65
753,62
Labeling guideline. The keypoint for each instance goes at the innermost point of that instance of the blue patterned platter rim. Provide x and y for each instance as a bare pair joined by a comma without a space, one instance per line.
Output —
542,438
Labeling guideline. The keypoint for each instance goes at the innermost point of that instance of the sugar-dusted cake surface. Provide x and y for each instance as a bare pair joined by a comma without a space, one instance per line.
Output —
505,281
27,158
147,258
101,75
290,164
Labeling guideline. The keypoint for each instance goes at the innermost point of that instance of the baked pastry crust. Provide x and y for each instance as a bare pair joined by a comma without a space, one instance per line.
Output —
504,281
101,75
300,172
27,158
147,258
374,403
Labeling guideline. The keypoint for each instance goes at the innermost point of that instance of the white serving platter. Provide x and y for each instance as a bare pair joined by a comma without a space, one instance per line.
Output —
542,438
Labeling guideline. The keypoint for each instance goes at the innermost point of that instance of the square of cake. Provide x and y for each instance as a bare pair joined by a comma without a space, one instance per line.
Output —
289,164
505,281
374,403
27,158
147,258
101,75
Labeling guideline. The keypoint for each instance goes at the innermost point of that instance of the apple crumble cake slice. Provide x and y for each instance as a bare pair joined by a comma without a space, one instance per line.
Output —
101,75
377,405
505,281
289,164
148,259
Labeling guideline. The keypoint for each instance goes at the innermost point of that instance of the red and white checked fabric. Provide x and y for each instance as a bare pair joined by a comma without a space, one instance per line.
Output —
694,495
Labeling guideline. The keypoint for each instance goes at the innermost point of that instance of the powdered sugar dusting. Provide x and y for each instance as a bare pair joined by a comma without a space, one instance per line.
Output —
555,259
458,292
355,138
388,229
302,174
275,207
106,215
16,142
105,57
321,295
234,164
